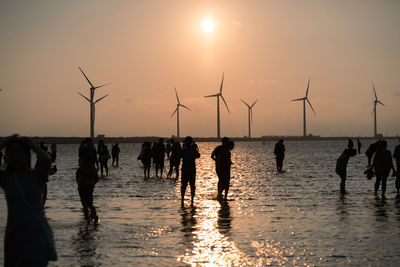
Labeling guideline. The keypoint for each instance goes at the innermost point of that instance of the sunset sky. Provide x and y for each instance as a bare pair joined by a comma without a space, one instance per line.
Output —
267,50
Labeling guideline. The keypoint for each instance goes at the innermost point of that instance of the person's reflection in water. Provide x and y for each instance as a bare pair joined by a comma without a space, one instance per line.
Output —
342,208
224,218
85,244
189,223
381,210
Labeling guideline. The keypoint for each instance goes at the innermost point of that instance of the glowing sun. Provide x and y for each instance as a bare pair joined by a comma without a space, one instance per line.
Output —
208,25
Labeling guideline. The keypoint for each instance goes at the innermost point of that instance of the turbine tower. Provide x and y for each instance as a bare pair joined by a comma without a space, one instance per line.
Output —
376,101
250,114
218,96
177,112
92,102
304,99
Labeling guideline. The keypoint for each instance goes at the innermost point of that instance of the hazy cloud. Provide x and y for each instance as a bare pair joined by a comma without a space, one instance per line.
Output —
237,23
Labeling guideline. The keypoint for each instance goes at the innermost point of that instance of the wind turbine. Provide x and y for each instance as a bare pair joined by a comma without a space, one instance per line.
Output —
218,96
376,101
304,99
250,112
177,112
92,102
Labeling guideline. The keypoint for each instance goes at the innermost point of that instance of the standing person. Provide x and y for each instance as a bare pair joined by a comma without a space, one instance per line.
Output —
145,157
396,156
169,147
175,159
382,164
341,164
115,154
86,177
1,158
159,156
53,153
104,156
28,238
279,152
370,151
359,145
222,157
190,153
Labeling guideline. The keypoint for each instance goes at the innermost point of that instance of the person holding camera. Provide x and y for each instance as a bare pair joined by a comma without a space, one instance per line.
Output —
190,152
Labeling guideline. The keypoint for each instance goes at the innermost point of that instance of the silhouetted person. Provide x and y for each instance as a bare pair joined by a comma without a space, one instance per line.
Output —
169,147
86,177
1,158
104,156
382,164
279,152
396,156
28,238
159,156
222,157
190,152
43,146
53,170
53,153
370,151
175,159
341,164
359,145
145,157
115,154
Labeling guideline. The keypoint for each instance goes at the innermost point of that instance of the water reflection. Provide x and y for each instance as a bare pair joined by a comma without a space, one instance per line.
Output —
342,208
85,244
207,229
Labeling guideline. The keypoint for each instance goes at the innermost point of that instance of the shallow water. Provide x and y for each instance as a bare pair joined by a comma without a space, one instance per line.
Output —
293,218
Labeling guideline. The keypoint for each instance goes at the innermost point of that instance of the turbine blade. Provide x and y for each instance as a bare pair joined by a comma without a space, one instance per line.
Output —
308,87
84,97
245,103
373,87
100,99
101,85
212,95
225,104
222,83
311,106
377,101
86,77
254,103
184,106
174,112
177,98
298,99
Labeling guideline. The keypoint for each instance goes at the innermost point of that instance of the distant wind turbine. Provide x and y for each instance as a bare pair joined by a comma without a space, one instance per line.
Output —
177,112
92,102
304,99
376,101
250,113
218,96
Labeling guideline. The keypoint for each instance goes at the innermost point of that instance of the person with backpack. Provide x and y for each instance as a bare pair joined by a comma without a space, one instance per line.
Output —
341,164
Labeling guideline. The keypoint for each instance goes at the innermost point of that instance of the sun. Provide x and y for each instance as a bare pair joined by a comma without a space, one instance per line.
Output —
208,25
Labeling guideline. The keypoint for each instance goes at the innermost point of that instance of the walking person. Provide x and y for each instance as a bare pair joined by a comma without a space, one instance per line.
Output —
396,156
175,159
145,157
382,164
28,238
371,150
190,153
359,145
104,156
341,164
159,156
279,152
87,177
115,154
222,157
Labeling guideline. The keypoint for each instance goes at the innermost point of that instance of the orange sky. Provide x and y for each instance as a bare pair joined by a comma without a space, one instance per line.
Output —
267,50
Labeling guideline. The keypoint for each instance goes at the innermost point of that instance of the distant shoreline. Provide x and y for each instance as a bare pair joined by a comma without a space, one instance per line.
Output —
141,139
